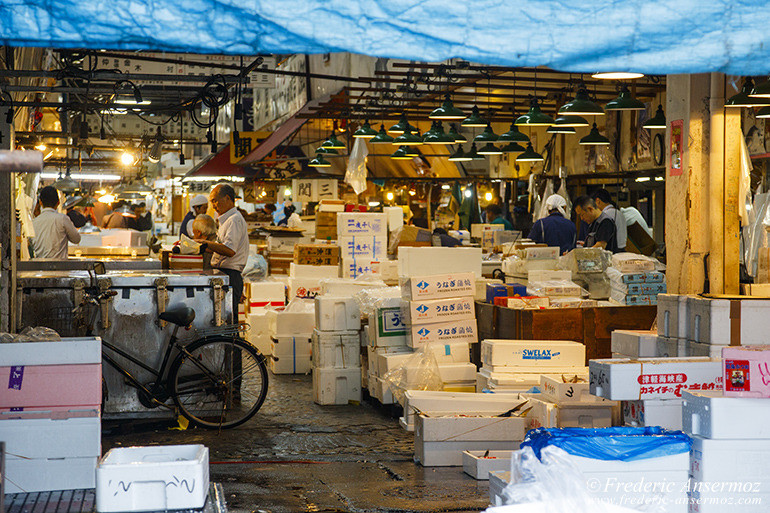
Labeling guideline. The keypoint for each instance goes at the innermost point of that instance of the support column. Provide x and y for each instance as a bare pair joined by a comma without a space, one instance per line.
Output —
7,234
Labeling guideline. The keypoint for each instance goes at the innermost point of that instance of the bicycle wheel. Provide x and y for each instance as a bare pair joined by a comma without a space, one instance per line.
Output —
218,382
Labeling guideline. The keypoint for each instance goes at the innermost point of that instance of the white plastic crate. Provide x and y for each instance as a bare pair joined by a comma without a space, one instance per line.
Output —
336,386
711,415
336,349
635,343
539,354
666,413
337,314
478,464
157,478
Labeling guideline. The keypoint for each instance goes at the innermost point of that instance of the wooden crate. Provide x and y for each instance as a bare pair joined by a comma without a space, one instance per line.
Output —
600,322
486,319
507,323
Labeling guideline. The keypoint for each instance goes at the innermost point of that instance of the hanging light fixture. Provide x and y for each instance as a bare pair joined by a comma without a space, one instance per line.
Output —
473,154
319,161
157,147
401,126
475,119
327,151
512,147
625,101
761,90
447,111
431,132
403,153
459,156
438,136
763,113
560,129
594,138
408,139
66,183
658,121
749,96
382,137
530,155
333,143
456,135
535,117
572,121
490,149
487,135
581,105
617,75
513,135
365,131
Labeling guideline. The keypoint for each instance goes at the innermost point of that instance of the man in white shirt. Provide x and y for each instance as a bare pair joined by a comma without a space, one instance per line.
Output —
52,229
231,249
604,202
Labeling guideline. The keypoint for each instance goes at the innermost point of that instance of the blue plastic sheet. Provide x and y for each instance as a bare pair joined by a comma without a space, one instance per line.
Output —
650,36
616,443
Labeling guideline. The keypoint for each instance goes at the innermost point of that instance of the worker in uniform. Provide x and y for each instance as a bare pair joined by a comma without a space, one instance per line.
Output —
495,216
555,229
198,205
604,202
53,230
602,232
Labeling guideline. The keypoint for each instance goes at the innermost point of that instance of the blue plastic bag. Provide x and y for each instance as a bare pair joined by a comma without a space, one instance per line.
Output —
615,443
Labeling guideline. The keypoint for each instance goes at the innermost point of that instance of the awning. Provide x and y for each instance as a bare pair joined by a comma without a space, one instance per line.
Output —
215,165
649,36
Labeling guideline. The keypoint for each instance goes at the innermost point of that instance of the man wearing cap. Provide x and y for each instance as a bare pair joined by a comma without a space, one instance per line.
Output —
52,229
198,205
555,229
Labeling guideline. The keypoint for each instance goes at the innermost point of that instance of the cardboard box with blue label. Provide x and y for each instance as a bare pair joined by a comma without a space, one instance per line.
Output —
438,310
438,286
540,354
388,328
443,332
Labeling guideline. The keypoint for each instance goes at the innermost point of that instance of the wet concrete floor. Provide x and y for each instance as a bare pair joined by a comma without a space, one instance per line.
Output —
296,456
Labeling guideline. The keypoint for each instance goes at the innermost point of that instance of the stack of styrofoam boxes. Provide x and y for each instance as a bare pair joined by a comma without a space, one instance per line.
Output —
568,404
291,334
516,365
673,320
49,413
305,280
651,388
730,451
636,288
262,296
716,323
363,239
440,313
336,351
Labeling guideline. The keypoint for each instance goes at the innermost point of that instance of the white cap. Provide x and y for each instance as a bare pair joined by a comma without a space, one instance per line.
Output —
556,202
199,200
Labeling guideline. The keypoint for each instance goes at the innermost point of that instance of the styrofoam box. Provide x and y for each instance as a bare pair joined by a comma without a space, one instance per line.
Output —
361,223
43,475
289,345
710,321
46,386
387,328
290,364
667,347
287,323
427,261
304,287
313,271
336,386
730,460
124,238
67,351
438,310
525,380
364,248
666,413
444,332
437,286
395,217
711,415
343,287
539,354
449,372
636,343
672,315
440,441
387,270
652,378
382,391
559,392
478,464
157,478
455,403
336,349
723,500
452,352
337,314
386,362
583,415
372,361
696,349
746,371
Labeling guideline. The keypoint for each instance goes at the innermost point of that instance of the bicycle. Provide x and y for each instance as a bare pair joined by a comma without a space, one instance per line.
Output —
216,381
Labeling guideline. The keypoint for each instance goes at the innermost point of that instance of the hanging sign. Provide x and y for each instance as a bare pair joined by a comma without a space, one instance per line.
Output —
243,144
313,189
677,148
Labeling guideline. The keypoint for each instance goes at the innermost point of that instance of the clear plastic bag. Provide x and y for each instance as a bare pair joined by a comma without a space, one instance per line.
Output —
370,299
256,267
355,175
419,372
36,334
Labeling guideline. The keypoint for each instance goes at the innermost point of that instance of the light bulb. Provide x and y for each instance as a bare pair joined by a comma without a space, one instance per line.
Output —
126,158
468,193
287,192
107,198
488,196
389,196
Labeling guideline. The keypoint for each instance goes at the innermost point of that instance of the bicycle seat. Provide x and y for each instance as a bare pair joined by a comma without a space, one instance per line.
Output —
181,316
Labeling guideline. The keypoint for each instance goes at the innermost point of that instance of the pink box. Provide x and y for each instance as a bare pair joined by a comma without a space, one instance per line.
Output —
51,386
746,371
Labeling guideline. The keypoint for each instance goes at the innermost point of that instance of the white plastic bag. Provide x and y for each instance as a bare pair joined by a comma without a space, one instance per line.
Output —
355,175
419,372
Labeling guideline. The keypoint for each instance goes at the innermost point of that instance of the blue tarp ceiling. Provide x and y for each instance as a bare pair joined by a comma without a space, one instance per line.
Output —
650,36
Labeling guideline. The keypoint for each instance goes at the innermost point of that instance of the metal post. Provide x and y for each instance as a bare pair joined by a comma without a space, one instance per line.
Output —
7,235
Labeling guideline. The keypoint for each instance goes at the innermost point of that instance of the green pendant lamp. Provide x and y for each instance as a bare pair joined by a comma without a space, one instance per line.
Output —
447,111
560,129
382,137
458,137
459,156
401,126
490,149
326,151
487,136
400,154
333,143
475,119
512,147
750,96
431,132
594,138
438,136
625,101
513,135
365,131
571,121
535,117
408,139
658,121
581,105
473,154
761,90
319,161
530,155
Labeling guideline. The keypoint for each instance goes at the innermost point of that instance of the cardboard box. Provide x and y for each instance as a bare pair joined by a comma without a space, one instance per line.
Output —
712,415
478,464
324,232
494,290
539,354
443,332
438,310
636,343
317,254
746,371
313,271
653,378
336,350
410,234
336,386
591,415
337,314
666,413
361,224
440,441
326,219
427,261
440,286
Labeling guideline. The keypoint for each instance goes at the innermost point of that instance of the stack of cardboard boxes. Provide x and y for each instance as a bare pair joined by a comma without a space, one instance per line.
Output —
363,239
336,351
312,263
636,288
